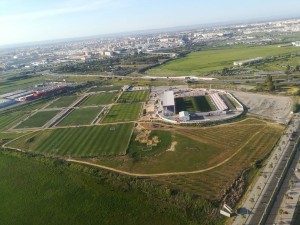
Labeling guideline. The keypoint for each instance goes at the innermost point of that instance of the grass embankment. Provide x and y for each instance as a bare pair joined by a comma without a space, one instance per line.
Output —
78,142
45,192
203,62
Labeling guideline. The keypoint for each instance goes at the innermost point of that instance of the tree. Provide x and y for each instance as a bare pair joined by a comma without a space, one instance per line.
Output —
297,68
291,183
269,82
295,107
280,213
288,69
225,71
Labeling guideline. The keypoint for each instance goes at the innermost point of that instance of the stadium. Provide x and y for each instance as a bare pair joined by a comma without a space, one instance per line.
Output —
198,105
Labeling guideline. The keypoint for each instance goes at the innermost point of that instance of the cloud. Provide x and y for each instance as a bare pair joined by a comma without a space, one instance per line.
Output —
64,8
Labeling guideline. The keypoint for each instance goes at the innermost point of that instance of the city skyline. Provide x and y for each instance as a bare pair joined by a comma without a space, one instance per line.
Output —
33,21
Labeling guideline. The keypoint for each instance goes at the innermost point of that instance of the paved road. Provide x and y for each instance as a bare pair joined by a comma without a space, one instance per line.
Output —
287,204
255,205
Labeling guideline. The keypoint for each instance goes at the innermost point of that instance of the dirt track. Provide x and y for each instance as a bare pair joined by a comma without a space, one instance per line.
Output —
276,108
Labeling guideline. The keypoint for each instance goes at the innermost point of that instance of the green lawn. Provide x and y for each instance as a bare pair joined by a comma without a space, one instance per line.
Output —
79,142
133,96
38,120
80,116
36,192
203,62
8,119
64,101
99,99
123,113
194,104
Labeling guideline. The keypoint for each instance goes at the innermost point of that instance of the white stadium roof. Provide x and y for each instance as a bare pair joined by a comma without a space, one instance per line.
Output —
168,98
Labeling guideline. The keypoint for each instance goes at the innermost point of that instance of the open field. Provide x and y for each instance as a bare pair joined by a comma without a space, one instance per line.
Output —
133,96
78,142
123,113
64,101
99,99
194,104
272,107
224,151
80,116
203,62
38,119
43,192
214,183
105,88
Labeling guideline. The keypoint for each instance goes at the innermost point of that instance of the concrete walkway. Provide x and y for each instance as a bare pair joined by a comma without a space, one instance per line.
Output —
288,205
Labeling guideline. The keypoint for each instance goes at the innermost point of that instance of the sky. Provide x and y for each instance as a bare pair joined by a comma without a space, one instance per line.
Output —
24,21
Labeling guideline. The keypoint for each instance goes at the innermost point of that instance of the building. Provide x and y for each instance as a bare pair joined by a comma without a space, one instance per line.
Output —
168,103
248,61
184,116
296,43
6,102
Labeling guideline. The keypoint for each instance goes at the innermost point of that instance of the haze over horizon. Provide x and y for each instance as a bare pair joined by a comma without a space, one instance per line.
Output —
34,20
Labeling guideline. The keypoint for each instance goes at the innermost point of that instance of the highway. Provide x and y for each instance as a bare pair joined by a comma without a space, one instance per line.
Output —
259,205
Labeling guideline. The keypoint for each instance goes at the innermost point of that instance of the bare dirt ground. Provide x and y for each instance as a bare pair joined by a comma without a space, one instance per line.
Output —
276,108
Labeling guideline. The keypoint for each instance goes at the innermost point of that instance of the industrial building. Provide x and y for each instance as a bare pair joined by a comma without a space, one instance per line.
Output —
168,103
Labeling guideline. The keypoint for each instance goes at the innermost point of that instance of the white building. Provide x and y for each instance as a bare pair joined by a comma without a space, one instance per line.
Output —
168,103
296,43
184,116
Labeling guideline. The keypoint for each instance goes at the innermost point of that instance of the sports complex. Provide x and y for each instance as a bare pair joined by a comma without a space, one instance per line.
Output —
141,132
187,105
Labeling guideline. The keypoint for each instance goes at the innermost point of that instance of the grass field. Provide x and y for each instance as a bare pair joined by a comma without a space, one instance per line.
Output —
194,104
123,113
8,119
38,120
133,96
201,148
8,86
64,101
45,193
78,142
80,116
100,99
203,62
105,88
